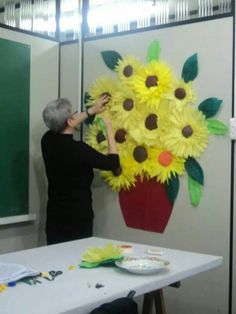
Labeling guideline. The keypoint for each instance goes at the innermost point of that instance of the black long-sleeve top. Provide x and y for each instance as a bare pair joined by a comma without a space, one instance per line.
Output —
69,168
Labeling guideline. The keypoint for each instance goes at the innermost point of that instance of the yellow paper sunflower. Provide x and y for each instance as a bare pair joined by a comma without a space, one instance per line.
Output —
126,107
103,86
139,159
121,178
122,138
164,164
152,83
188,134
149,128
127,67
95,138
182,94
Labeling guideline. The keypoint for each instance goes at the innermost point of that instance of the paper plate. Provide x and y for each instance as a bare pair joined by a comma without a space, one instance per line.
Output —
142,264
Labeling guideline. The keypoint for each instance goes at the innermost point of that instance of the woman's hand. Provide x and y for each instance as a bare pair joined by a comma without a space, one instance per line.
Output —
99,106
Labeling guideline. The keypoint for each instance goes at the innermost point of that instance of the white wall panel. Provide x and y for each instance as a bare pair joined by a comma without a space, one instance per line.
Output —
206,228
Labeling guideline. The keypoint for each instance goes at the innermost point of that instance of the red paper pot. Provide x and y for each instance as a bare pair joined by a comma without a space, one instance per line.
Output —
146,206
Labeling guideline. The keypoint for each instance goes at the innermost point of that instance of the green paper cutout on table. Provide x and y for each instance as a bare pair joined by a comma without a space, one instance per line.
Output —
109,262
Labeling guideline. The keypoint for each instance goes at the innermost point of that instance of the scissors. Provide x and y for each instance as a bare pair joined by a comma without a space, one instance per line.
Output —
54,274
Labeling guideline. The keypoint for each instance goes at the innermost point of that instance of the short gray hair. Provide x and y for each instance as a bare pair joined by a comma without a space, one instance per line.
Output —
56,113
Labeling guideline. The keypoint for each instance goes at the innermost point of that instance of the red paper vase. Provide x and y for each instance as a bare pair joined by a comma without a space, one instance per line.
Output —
146,206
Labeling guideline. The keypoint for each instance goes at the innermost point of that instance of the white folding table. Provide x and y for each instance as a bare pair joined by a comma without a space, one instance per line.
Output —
81,290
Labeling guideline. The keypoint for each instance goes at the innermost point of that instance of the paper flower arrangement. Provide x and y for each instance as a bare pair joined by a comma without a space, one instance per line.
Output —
99,256
160,132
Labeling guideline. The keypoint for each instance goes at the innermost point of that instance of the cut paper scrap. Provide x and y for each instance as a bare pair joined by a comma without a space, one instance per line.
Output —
100,256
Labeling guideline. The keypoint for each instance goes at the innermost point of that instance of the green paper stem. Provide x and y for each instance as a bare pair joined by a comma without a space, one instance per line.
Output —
101,125
195,191
216,127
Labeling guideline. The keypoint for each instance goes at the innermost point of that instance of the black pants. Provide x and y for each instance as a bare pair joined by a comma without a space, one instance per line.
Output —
64,231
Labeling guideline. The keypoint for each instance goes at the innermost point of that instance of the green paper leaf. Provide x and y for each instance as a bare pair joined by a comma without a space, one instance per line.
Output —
190,69
111,57
172,188
85,264
154,51
101,125
216,127
87,97
194,170
195,191
210,106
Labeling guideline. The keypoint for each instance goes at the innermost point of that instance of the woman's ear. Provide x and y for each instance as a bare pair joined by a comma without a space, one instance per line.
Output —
70,122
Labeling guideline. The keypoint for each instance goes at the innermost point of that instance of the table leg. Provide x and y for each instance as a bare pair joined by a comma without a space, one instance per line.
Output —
159,302
155,297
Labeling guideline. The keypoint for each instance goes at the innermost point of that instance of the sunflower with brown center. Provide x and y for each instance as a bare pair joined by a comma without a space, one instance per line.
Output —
127,67
188,134
182,94
152,83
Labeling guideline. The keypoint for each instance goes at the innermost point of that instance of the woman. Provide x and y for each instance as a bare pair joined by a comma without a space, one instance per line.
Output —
69,168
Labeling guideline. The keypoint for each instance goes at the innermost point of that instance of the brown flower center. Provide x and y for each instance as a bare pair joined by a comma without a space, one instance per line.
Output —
151,122
180,93
120,136
128,70
117,172
151,81
140,154
187,131
100,137
128,104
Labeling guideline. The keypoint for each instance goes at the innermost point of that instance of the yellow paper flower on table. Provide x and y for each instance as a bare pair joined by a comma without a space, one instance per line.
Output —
165,165
99,254
122,178
152,83
182,94
103,86
127,67
188,134
96,139
126,107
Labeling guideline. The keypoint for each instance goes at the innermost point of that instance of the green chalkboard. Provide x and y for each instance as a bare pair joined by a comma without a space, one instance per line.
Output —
14,127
